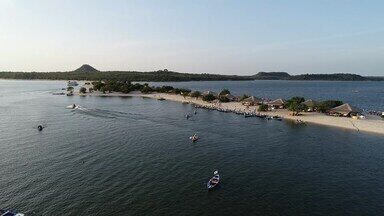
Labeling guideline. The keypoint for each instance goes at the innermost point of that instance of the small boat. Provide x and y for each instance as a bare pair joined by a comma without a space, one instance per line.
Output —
72,83
73,106
40,127
161,99
214,181
4,212
58,93
194,138
187,116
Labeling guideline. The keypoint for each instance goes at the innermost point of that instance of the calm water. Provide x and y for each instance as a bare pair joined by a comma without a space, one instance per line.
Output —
132,156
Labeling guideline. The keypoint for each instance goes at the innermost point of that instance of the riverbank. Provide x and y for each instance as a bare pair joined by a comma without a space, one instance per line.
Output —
371,124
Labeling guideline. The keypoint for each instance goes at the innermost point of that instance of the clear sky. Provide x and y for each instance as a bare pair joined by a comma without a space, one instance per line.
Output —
207,36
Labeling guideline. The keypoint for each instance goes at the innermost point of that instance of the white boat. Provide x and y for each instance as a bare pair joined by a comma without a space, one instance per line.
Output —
72,83
72,106
214,181
194,138
9,213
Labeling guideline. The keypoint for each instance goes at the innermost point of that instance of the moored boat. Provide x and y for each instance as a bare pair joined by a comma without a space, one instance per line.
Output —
4,212
214,181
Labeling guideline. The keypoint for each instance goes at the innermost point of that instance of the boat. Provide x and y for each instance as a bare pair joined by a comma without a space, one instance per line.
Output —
72,83
4,212
214,181
161,99
194,138
278,118
72,106
58,93
70,94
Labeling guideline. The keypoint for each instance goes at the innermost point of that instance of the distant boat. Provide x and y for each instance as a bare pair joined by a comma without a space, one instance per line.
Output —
214,181
72,106
355,91
194,138
161,99
9,213
58,93
72,83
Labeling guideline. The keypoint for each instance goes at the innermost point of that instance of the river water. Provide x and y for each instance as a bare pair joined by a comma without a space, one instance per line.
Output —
132,156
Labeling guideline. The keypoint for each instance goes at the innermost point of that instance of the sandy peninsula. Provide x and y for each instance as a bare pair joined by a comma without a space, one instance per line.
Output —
371,124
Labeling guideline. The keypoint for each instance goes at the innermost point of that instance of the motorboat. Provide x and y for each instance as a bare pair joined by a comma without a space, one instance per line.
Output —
72,83
4,212
72,106
194,138
40,127
161,99
214,181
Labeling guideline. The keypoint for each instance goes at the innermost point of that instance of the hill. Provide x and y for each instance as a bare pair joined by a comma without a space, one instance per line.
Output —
271,75
85,68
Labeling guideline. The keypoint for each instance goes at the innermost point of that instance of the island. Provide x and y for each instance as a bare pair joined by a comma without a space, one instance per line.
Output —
298,110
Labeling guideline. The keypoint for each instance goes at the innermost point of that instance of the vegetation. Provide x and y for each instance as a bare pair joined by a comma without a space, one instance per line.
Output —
83,90
195,94
325,106
295,104
209,97
223,99
225,92
87,72
244,96
69,88
263,108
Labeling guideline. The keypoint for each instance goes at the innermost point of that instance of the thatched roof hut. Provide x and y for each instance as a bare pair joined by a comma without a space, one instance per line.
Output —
231,97
253,99
277,103
210,92
345,109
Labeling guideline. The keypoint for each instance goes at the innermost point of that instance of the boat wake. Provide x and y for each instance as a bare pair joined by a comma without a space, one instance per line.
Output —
99,113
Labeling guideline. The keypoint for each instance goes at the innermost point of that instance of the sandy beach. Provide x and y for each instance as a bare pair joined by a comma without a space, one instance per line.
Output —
371,124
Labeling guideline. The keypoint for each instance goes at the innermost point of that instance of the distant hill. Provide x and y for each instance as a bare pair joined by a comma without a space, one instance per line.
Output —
271,75
332,77
86,69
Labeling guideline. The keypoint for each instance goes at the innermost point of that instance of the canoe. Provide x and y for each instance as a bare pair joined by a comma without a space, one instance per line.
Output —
214,181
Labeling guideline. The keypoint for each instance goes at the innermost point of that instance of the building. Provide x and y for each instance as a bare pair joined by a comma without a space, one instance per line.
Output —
252,101
276,104
345,110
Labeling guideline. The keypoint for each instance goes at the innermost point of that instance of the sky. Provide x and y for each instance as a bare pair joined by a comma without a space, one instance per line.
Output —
195,36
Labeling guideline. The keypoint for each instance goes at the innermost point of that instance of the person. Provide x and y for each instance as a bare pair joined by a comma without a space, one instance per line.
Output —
73,106
39,128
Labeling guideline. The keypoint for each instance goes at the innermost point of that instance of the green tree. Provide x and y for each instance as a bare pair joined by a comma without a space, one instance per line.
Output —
223,99
70,88
225,92
263,108
196,94
83,90
209,97
294,100
324,106
146,89
244,96
296,107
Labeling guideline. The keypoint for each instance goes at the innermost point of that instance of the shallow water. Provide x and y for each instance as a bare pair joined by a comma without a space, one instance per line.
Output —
132,156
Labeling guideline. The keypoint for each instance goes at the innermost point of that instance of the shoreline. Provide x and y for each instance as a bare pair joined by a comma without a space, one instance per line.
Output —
370,124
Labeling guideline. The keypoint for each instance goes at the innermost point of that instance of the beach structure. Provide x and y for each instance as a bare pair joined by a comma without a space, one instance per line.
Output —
252,101
276,104
231,97
345,110
311,104
210,92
